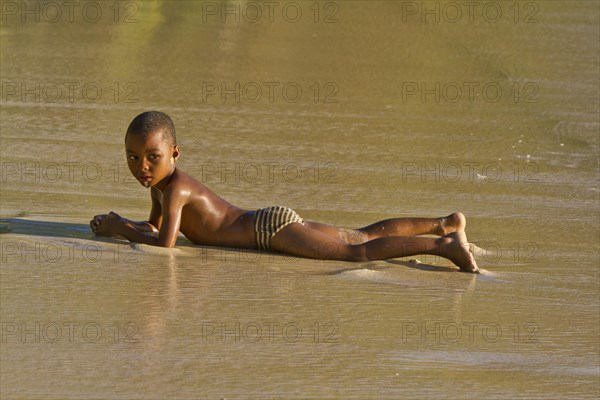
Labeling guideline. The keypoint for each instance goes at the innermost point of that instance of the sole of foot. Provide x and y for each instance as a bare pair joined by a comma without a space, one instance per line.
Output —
458,251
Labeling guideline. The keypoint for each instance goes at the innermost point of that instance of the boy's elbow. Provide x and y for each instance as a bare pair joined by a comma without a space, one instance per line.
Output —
151,227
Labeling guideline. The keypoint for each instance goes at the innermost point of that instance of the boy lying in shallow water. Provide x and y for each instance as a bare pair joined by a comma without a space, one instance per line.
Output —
181,203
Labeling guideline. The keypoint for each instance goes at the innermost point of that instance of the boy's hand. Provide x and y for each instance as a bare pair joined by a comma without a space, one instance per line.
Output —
106,224
94,223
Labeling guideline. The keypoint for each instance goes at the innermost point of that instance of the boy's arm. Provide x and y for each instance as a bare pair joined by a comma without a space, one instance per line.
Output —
142,226
169,221
155,218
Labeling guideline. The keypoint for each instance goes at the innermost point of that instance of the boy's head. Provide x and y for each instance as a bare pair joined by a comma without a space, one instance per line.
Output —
152,121
151,148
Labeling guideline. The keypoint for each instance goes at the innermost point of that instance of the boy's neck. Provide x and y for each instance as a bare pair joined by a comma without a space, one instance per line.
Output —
162,185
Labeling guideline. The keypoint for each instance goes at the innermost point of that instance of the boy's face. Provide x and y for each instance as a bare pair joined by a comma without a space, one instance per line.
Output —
150,159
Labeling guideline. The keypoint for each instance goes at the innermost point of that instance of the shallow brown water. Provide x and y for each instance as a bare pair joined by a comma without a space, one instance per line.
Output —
368,137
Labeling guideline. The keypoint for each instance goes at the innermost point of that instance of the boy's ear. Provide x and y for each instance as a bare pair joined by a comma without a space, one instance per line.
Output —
175,154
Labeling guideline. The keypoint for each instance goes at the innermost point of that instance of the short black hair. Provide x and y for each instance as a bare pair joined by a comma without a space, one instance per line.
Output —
152,121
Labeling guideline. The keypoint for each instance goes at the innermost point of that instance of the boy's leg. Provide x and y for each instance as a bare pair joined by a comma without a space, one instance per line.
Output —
348,236
416,226
304,241
395,227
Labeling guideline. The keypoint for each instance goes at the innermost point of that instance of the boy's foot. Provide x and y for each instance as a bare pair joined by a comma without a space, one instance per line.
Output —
457,250
452,223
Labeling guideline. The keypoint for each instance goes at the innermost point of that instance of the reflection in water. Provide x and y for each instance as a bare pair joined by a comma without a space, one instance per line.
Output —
161,306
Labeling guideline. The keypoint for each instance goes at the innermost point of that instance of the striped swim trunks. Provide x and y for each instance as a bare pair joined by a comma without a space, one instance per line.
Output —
270,220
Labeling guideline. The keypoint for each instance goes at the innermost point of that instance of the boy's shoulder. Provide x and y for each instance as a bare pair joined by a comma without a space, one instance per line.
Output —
182,182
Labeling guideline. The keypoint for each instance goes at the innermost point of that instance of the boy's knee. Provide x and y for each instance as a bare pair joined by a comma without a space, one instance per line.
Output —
356,253
341,251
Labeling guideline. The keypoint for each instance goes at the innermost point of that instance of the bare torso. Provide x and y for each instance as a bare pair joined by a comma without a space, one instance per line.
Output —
206,218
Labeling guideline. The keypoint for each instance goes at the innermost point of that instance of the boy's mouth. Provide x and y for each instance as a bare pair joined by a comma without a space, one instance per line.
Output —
145,179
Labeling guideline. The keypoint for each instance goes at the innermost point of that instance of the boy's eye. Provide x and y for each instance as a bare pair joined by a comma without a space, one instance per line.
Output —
154,156
132,158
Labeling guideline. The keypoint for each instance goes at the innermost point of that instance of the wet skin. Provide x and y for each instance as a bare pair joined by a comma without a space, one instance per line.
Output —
179,202
182,204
